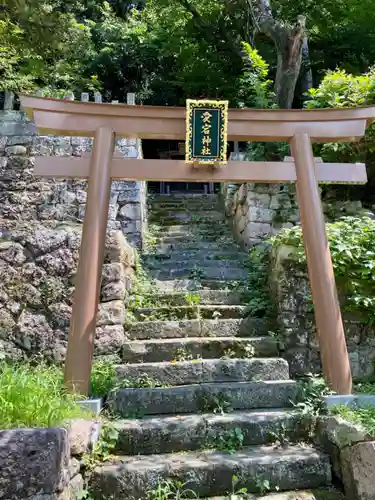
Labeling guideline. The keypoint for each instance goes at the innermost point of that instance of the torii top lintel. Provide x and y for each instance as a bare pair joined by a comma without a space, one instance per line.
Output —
56,116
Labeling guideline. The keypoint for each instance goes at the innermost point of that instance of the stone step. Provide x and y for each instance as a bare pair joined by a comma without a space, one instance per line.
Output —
192,233
199,255
204,371
190,312
233,273
179,214
247,327
186,245
179,199
190,284
192,263
155,229
178,349
203,398
186,218
168,434
329,493
222,239
206,297
211,472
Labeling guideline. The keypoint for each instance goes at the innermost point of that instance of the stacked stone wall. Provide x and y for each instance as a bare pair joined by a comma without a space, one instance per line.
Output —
40,231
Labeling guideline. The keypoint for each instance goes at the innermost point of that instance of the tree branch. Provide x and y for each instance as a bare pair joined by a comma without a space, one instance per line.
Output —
265,20
206,29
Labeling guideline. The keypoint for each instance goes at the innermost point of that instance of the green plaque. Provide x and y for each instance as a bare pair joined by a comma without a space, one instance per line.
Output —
206,131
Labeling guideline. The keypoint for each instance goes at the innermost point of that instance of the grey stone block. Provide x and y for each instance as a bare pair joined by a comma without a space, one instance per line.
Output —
33,461
166,349
210,473
191,432
208,370
195,398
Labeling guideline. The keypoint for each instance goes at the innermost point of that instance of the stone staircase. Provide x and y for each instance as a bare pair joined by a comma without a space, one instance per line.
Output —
207,400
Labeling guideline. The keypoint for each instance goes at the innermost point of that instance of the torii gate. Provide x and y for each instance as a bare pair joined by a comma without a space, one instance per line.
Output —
300,128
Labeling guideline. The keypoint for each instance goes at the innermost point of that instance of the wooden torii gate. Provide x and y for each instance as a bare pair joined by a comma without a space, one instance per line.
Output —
300,128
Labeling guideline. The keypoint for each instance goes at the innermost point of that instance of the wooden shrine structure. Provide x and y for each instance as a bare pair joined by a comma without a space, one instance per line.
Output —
300,128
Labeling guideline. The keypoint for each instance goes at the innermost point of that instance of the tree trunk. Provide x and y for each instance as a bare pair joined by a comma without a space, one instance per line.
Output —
288,42
289,58
306,73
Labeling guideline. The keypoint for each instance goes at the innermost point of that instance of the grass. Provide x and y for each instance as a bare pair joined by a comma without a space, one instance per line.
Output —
103,378
365,388
34,396
363,416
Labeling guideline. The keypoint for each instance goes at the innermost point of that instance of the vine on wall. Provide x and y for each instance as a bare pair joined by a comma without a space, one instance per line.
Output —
352,244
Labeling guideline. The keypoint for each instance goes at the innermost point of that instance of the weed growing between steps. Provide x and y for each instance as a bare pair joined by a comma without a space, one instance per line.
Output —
182,354
257,295
230,440
311,390
177,490
104,448
239,351
214,403
104,379
34,396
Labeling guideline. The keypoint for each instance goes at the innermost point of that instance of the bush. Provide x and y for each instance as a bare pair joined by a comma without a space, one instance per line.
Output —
352,244
34,397
103,378
340,89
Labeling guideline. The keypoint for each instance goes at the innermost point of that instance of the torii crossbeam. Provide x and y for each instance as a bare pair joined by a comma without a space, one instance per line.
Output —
300,128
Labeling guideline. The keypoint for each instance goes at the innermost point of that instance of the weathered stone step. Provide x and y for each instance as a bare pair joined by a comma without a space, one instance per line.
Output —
164,349
232,273
186,244
191,312
183,215
175,217
192,262
205,297
211,472
204,371
190,284
191,233
168,434
206,238
199,255
203,398
247,327
188,229
329,493
182,199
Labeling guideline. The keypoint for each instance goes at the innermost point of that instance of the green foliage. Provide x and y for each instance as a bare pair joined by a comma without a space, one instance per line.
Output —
352,243
363,416
170,489
143,381
257,293
215,403
230,440
254,85
34,396
311,389
103,378
340,89
104,448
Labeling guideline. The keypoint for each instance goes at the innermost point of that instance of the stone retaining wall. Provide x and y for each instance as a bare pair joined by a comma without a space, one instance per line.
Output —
40,231
24,197
296,324
352,452
45,464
